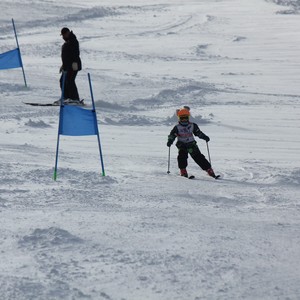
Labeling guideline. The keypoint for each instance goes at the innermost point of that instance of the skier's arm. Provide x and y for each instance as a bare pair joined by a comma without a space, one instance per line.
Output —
172,136
74,45
197,132
75,54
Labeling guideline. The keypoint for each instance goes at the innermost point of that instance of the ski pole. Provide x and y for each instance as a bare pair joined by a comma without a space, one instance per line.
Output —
169,160
208,153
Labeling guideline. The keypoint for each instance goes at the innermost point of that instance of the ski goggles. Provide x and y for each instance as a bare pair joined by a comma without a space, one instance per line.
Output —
183,118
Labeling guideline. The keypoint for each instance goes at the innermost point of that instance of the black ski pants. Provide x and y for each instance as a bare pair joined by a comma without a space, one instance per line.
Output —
194,151
70,90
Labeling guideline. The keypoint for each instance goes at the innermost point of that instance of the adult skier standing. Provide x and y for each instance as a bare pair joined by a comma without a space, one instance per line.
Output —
71,64
185,131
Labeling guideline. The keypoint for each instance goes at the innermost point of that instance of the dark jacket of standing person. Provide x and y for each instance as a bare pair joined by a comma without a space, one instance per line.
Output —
71,64
70,53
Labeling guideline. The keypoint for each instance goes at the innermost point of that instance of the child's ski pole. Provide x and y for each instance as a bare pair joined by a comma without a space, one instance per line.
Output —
169,160
208,153
214,176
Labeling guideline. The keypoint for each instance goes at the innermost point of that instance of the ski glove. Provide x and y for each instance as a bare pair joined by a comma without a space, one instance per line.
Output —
204,137
169,143
75,66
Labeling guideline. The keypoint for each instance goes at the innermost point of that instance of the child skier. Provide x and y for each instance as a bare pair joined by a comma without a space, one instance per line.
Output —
184,131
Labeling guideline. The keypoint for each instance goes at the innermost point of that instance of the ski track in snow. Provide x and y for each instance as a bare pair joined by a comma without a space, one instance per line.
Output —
138,232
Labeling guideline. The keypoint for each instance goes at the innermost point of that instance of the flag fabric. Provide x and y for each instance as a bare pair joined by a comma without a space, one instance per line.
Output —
77,121
10,59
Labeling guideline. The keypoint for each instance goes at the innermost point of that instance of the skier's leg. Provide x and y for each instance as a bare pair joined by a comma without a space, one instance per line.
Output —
182,160
198,157
72,88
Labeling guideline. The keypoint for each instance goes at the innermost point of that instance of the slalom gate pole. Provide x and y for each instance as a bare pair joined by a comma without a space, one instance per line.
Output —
19,51
96,125
59,124
169,157
208,153
57,147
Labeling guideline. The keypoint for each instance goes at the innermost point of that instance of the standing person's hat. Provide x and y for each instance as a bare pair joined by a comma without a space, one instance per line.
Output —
64,30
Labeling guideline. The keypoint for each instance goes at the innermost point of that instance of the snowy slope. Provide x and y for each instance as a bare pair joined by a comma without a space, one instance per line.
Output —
139,233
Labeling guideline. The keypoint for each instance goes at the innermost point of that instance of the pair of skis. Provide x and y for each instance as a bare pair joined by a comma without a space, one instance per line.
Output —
193,177
57,103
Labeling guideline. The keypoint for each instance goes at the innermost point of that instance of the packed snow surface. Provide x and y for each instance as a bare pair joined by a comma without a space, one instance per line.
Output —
139,233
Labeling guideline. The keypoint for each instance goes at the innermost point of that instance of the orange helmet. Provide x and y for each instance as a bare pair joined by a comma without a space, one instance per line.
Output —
183,112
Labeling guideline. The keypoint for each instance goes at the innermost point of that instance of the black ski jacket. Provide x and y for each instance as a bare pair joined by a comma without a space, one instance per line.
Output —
70,53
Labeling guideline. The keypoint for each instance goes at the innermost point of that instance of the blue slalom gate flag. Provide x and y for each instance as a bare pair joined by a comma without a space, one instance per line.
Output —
10,59
77,121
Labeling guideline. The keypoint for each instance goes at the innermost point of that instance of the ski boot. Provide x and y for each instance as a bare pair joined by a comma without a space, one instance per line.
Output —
211,172
73,101
57,102
183,173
